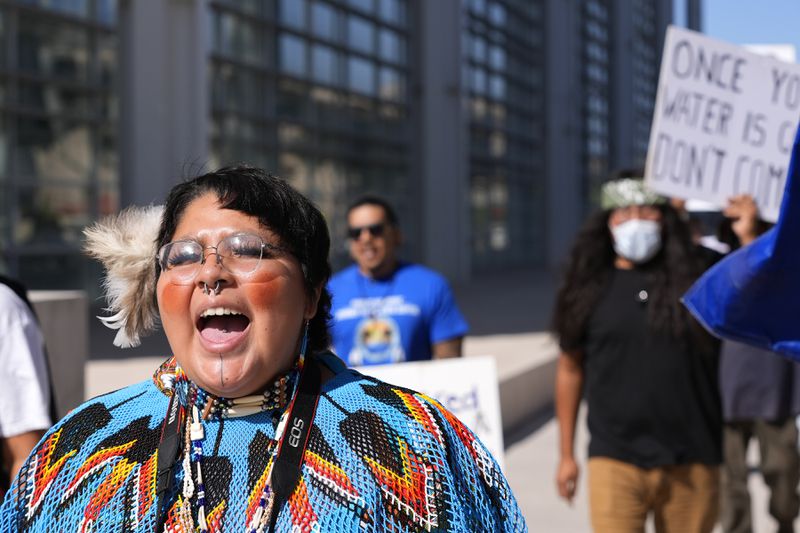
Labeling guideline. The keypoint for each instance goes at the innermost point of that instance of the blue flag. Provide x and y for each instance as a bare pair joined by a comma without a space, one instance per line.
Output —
753,294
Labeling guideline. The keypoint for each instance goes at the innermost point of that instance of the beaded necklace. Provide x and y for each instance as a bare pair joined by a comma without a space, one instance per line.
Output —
171,379
275,397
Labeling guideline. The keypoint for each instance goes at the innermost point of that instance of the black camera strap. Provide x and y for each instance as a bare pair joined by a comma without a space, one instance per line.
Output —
167,453
287,469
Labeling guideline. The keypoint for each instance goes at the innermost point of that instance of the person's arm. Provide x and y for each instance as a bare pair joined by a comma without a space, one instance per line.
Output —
24,389
447,325
17,448
447,349
569,385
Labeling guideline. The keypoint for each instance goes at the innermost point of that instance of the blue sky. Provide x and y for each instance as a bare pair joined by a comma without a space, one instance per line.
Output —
752,21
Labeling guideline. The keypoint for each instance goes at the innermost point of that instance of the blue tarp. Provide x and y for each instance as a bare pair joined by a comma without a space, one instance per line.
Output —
753,294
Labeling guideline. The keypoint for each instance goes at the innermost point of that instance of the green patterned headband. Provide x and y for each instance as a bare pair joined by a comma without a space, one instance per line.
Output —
628,191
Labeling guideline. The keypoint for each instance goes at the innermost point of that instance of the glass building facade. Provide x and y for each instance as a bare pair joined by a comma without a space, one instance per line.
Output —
645,60
597,101
58,149
318,91
621,54
503,79
331,95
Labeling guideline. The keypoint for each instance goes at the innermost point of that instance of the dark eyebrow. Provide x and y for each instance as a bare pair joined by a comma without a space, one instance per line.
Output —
185,238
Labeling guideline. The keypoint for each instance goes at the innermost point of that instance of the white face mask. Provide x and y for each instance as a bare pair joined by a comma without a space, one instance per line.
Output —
637,240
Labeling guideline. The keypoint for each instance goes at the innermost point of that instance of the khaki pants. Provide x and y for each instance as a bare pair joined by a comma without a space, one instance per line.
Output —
683,499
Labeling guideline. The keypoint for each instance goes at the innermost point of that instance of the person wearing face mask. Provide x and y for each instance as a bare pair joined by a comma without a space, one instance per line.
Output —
647,370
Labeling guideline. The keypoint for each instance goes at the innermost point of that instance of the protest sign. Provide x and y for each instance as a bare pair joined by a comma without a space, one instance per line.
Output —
723,124
465,386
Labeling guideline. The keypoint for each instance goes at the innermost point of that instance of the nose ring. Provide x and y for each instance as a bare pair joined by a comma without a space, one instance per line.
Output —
215,290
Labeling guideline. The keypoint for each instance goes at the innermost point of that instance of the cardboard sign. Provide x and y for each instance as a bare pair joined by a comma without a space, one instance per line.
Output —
723,124
467,387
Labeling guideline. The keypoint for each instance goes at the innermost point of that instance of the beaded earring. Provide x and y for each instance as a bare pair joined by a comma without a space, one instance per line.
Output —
304,342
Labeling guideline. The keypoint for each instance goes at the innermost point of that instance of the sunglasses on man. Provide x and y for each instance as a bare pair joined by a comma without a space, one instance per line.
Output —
376,230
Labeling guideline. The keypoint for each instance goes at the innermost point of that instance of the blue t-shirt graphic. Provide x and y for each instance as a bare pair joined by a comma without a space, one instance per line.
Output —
391,320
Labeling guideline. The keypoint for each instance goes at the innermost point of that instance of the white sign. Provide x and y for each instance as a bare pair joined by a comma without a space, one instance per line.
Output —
724,122
783,52
467,387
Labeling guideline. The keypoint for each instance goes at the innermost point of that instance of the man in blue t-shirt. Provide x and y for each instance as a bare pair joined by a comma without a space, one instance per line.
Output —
385,310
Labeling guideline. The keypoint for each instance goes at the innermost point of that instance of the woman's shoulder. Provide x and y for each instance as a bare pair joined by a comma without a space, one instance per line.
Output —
106,415
361,396
68,463
138,389
402,434
127,398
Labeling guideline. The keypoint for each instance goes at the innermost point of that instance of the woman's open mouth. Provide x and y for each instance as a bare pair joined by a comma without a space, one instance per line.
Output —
220,326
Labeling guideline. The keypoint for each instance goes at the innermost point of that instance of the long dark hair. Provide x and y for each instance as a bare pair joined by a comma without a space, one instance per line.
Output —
670,273
298,224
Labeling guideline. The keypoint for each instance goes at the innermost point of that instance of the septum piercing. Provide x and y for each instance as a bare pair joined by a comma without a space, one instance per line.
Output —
207,290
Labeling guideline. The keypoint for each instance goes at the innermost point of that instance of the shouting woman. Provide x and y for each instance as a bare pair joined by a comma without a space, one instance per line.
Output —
251,425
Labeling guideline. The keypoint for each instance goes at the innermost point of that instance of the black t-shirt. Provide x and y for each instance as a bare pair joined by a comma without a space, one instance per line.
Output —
652,398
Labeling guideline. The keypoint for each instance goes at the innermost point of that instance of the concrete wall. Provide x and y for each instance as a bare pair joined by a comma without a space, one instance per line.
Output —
527,392
563,131
442,145
164,96
621,130
64,319
526,372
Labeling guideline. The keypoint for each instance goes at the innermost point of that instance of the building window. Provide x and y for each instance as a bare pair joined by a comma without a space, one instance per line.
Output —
360,34
77,8
391,84
325,21
239,38
293,13
478,49
293,55
324,65
364,5
55,50
497,14
106,11
361,75
478,80
478,6
392,11
497,87
391,46
497,57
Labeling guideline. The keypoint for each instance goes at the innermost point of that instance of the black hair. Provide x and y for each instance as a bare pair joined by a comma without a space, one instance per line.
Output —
298,224
670,273
371,199
623,173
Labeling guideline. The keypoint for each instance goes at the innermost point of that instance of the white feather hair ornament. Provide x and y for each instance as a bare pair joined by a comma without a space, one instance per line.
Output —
126,246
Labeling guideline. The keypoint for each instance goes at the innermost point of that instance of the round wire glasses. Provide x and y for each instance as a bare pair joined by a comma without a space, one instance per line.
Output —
239,254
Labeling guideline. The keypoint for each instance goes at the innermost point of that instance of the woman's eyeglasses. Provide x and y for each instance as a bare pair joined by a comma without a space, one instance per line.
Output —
239,254
376,230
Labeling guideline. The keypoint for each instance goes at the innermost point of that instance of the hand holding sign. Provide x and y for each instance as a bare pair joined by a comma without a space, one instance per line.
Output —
743,211
723,123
